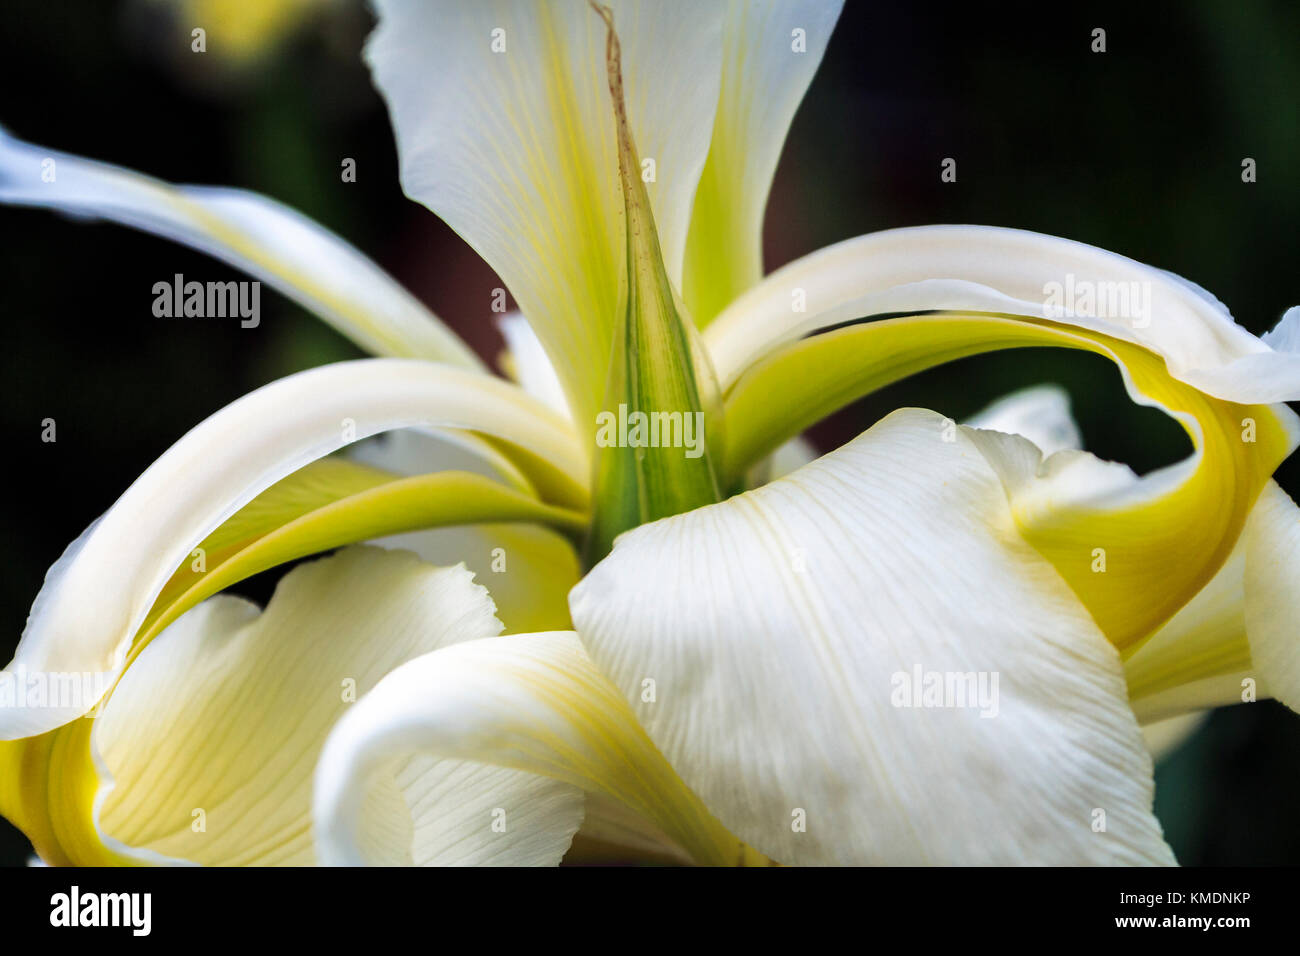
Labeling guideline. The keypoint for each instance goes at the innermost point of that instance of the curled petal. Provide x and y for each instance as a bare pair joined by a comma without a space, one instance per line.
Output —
265,238
205,749
990,269
529,704
796,654
1041,414
100,592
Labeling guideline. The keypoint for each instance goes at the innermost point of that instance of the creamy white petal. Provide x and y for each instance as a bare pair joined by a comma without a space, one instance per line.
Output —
505,129
791,456
96,596
469,814
1272,598
414,451
264,238
985,268
528,704
781,626
424,727
1166,736
1236,639
611,833
1040,413
208,744
1196,695
771,49
530,365
1285,336
1196,660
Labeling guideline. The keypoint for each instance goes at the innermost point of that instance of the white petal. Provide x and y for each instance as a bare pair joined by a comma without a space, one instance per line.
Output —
1164,536
1272,599
771,49
1041,414
1192,696
516,149
1165,736
1285,336
470,814
1201,656
278,245
96,596
780,625
984,268
426,725
208,744
791,456
532,368
528,704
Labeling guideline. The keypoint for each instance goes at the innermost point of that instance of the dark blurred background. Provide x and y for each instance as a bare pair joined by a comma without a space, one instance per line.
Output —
1137,150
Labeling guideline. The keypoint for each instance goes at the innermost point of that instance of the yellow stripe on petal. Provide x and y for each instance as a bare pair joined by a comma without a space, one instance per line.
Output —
1134,552
47,789
504,129
99,593
988,269
48,782
386,506
528,569
770,51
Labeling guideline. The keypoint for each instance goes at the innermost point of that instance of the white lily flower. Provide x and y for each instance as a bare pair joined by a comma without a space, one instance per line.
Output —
747,676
